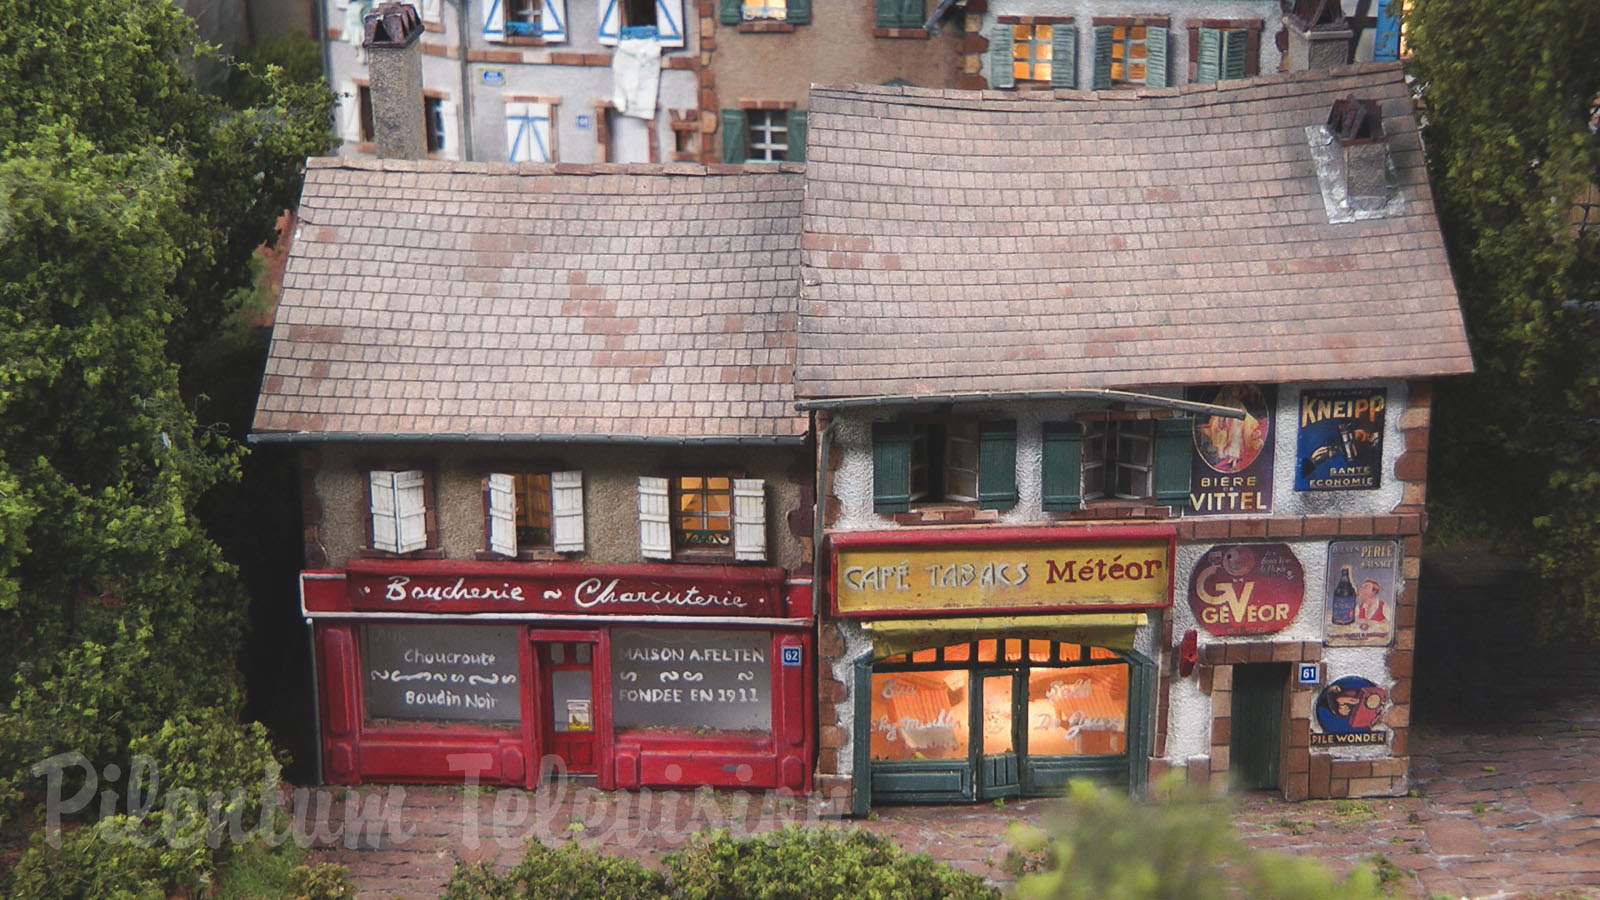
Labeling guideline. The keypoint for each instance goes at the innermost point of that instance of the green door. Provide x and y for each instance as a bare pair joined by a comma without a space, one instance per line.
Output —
995,734
1255,741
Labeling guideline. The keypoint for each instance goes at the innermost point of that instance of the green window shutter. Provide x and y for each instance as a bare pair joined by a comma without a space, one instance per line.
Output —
889,13
1102,58
799,12
731,11
997,465
796,120
1063,465
1208,61
1155,60
912,14
1064,55
1235,53
1001,74
1174,450
733,148
891,466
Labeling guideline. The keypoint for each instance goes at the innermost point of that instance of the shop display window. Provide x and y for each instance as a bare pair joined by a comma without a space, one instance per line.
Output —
1079,711
446,673
919,715
683,679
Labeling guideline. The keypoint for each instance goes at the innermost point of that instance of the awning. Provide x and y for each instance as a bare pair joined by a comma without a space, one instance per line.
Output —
1114,631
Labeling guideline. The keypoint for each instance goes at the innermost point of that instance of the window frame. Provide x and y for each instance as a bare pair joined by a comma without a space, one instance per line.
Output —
1156,59
675,499
430,548
1251,28
770,122
1103,440
928,459
524,111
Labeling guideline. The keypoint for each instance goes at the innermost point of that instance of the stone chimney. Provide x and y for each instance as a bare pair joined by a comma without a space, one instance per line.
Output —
1319,36
395,66
1357,130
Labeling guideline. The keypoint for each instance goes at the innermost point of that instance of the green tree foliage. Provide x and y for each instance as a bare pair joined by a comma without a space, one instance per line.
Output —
1184,848
130,205
1509,89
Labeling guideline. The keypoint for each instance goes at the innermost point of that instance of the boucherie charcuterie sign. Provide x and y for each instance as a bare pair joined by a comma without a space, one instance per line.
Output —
618,590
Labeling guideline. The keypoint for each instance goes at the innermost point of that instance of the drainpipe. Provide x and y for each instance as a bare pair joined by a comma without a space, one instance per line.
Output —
824,445
466,78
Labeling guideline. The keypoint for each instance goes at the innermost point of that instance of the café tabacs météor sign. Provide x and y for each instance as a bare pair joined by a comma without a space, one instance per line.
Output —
927,578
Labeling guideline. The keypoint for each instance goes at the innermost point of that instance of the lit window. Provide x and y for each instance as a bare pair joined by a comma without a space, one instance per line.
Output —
768,135
704,512
1031,52
766,9
1128,52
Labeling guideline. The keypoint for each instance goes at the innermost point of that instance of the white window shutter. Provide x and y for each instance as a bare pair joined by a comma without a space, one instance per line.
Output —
385,524
553,21
502,514
431,10
411,509
350,101
528,132
566,511
655,519
451,118
355,28
750,519
494,20
610,22
669,22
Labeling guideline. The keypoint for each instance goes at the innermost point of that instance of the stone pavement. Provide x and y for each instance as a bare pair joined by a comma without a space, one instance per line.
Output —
1506,805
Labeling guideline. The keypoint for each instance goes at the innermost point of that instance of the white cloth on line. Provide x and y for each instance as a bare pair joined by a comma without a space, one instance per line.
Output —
636,77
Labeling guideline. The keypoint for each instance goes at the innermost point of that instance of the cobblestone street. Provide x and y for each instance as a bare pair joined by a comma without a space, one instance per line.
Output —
1506,790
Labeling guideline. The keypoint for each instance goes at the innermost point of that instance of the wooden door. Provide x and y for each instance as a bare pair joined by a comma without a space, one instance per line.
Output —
568,687
1256,737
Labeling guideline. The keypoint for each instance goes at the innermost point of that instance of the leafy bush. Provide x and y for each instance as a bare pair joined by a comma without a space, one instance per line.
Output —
228,766
321,882
570,872
117,858
791,864
797,863
1185,848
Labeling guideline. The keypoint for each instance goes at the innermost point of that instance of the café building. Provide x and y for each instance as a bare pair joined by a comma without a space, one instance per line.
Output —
555,494
1122,407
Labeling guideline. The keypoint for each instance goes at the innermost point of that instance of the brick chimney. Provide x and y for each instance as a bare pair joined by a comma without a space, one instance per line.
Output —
1357,129
395,66
1319,36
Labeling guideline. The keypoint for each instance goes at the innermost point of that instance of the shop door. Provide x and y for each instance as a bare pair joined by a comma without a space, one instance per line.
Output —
1257,723
999,770
568,689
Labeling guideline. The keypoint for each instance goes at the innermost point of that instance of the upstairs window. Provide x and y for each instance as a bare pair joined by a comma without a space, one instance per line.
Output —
1222,50
401,520
763,135
714,516
531,513
767,12
1130,52
433,123
1108,456
658,19
901,14
525,21
963,462
1118,458
1035,51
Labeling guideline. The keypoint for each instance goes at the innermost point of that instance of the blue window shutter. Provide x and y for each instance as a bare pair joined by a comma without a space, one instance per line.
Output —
1062,475
1174,451
796,123
1155,56
1208,58
730,12
1386,37
799,12
1064,55
891,466
733,148
1001,73
997,465
1102,58
1235,53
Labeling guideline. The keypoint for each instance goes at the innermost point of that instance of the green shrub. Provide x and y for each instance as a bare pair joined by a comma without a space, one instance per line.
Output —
229,767
797,863
118,858
570,872
1184,848
321,882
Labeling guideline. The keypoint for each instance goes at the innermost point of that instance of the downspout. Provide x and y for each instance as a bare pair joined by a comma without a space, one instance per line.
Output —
824,445
466,79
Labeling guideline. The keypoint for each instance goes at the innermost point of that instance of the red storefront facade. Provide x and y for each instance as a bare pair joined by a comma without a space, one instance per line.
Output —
640,675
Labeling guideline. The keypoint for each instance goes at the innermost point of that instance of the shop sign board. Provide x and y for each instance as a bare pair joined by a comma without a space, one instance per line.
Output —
688,679
558,588
1242,589
458,673
1349,714
1340,447
931,577
1232,467
1362,576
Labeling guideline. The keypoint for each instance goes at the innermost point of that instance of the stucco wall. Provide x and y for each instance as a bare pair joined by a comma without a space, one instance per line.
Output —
610,488
1179,11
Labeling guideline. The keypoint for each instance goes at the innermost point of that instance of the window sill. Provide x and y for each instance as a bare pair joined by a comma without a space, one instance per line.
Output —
429,553
1114,509
522,40
435,27
909,34
946,514
544,555
765,26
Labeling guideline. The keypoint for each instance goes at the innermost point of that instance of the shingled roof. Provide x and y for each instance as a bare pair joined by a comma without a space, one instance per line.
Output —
961,242
435,299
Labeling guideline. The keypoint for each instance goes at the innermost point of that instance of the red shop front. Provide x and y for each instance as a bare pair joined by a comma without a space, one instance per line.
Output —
639,675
